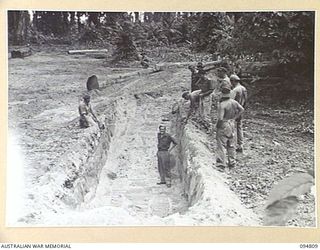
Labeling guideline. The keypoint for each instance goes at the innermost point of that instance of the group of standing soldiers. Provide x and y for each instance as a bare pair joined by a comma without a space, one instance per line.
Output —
222,102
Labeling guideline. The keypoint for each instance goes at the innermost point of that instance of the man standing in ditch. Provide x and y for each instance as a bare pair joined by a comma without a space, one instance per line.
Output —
239,93
163,154
228,111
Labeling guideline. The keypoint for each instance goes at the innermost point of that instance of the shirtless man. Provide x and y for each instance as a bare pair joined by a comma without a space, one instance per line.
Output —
228,111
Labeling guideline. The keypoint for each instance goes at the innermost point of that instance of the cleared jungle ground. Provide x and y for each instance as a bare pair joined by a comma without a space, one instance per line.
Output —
44,91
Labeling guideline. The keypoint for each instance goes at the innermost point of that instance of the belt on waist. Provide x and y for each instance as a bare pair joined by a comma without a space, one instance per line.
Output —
164,150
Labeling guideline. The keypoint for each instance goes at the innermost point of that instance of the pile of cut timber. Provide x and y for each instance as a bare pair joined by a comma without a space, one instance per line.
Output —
95,53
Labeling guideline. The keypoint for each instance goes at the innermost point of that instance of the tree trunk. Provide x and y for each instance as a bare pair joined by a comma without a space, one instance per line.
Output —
78,21
93,17
72,17
130,17
136,17
18,25
148,17
35,20
65,22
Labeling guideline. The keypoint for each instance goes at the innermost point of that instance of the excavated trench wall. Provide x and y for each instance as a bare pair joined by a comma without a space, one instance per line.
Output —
187,166
210,200
206,191
84,162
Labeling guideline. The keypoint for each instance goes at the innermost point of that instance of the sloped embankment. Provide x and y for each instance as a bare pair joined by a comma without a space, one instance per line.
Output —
209,199
83,163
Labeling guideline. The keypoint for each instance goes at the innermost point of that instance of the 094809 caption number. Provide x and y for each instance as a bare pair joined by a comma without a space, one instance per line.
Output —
309,246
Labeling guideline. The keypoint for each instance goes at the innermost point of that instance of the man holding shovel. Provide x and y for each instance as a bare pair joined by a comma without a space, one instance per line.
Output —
163,154
87,117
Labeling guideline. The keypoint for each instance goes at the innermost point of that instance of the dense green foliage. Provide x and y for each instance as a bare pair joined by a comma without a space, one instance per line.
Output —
288,36
285,38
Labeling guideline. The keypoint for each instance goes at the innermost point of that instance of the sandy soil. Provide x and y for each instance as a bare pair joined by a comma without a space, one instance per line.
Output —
133,159
44,91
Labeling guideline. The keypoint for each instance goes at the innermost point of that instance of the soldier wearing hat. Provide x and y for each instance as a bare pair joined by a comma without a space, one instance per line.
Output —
200,65
87,117
222,75
201,82
221,78
197,75
202,70
228,111
194,78
239,93
206,86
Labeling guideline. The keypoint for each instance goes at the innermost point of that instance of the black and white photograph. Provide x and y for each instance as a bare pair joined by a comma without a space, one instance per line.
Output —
160,118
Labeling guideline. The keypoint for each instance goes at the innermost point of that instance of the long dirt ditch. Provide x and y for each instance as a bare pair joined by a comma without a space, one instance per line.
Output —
111,175
117,182
108,177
